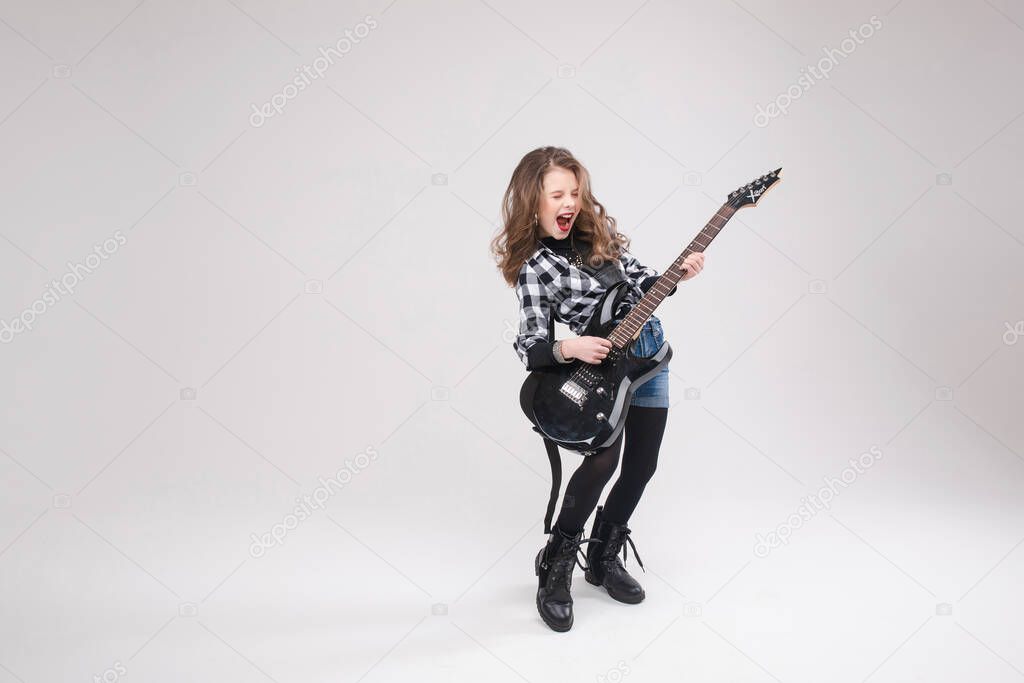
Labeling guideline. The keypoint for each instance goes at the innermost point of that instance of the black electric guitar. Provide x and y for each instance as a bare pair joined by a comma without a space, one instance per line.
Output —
582,406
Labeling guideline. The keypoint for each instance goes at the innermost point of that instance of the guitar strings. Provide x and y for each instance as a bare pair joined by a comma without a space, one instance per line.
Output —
628,324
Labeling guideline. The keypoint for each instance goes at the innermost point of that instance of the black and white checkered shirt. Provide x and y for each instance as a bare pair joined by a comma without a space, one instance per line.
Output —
549,283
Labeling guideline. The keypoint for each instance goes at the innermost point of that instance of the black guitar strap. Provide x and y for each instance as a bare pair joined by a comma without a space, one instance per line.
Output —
607,274
554,457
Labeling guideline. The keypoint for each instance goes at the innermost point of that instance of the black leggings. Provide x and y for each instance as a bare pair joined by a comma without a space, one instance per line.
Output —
643,431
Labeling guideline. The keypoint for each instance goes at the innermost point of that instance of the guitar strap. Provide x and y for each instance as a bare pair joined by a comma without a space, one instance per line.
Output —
607,274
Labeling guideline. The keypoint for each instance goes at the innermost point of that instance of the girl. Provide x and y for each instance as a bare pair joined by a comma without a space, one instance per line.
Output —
555,237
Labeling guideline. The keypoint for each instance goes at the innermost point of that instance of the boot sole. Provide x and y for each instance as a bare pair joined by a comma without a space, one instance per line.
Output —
630,600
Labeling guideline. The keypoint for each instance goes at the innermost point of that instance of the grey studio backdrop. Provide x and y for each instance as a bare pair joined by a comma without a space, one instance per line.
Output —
260,416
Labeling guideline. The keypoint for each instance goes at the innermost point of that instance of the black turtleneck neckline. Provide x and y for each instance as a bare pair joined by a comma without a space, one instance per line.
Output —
565,244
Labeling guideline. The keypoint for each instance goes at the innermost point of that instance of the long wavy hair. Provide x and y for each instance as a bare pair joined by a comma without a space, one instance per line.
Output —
517,240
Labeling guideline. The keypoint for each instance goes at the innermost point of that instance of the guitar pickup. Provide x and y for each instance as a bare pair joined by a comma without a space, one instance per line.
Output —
574,392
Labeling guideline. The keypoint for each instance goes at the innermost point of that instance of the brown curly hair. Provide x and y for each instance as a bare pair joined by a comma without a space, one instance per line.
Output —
517,240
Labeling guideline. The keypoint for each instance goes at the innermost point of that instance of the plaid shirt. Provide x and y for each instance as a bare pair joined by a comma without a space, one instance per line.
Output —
547,282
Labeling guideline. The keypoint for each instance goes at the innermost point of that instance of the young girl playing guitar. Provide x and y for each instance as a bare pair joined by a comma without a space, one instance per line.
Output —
555,236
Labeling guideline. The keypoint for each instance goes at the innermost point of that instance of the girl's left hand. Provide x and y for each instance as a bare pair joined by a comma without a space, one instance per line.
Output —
694,263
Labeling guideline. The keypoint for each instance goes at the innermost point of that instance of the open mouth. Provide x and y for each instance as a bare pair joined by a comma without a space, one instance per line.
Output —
564,220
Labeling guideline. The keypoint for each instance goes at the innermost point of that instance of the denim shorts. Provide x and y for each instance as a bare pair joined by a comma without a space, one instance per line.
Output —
654,392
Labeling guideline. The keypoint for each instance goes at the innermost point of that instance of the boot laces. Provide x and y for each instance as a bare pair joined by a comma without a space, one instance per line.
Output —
624,541
569,548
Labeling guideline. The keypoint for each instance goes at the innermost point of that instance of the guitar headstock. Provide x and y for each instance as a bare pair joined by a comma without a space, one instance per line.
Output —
751,192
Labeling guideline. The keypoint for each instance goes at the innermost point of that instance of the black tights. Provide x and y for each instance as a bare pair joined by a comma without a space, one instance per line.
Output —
643,431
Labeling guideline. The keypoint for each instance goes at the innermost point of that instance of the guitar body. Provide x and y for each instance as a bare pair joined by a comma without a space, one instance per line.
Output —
583,407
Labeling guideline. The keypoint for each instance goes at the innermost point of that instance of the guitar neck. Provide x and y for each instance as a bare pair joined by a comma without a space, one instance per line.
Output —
639,314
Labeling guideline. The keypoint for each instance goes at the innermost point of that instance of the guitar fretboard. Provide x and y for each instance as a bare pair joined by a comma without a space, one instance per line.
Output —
639,314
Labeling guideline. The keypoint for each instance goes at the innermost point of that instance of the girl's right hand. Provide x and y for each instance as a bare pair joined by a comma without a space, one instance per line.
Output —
591,350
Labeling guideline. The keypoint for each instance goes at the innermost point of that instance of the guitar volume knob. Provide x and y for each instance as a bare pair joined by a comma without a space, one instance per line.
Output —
600,417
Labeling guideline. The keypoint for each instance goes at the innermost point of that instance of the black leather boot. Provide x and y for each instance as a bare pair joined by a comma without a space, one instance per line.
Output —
554,566
604,568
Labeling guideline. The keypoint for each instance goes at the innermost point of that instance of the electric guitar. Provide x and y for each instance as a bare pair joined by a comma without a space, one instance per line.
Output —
582,406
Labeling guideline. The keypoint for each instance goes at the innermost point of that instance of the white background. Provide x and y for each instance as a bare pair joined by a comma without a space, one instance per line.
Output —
292,295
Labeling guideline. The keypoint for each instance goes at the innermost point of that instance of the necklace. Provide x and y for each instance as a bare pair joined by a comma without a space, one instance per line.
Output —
574,256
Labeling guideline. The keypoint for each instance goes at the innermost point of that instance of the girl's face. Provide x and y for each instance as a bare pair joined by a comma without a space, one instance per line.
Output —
559,202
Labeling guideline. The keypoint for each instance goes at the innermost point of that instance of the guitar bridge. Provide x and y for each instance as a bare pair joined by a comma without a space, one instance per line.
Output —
574,392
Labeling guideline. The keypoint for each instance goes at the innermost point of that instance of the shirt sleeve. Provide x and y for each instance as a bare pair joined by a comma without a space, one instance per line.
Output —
642,275
531,343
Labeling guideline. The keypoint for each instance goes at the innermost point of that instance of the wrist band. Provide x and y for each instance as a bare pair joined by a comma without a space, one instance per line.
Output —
556,351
